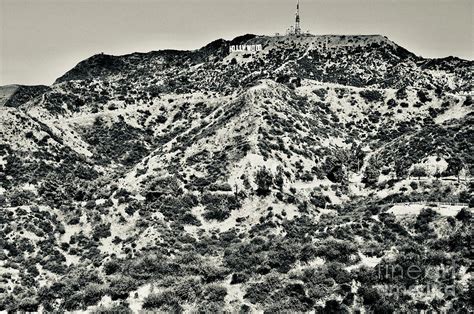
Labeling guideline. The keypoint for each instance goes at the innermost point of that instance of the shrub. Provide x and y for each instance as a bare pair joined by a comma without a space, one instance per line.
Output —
211,273
292,298
219,206
188,291
101,231
337,272
239,278
93,293
210,307
159,300
401,93
333,306
307,177
468,101
120,287
321,92
111,267
21,197
261,291
370,295
365,275
336,250
117,308
418,172
30,304
216,213
73,301
214,294
151,265
392,103
318,200
371,95
283,256
422,96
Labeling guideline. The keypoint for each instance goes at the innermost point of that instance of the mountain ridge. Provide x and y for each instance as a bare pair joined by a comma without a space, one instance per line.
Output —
212,180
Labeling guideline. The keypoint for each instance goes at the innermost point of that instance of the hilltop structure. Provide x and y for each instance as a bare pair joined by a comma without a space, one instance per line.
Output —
296,29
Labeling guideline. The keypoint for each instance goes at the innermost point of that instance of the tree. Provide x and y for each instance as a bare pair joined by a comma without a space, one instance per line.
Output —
418,172
264,181
464,215
336,174
426,216
371,175
279,178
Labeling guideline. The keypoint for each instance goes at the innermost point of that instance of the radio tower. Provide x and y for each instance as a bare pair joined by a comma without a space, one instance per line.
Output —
297,20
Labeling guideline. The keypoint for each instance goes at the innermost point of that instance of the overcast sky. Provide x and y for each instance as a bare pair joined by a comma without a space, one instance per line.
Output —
42,39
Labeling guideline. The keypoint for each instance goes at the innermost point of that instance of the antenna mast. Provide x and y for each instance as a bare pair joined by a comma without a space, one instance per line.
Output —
297,29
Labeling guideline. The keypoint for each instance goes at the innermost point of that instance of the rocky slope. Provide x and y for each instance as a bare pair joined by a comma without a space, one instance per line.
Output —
208,180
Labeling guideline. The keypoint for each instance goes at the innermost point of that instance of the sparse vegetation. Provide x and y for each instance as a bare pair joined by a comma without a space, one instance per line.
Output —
276,182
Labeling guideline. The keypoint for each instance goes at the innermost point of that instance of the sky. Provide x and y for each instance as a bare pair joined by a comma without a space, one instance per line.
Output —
42,39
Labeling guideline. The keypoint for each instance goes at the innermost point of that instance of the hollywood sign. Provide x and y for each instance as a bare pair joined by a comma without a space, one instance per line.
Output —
245,48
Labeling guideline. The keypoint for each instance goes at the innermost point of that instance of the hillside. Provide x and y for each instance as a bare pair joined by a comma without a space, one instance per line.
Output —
15,95
6,92
215,181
